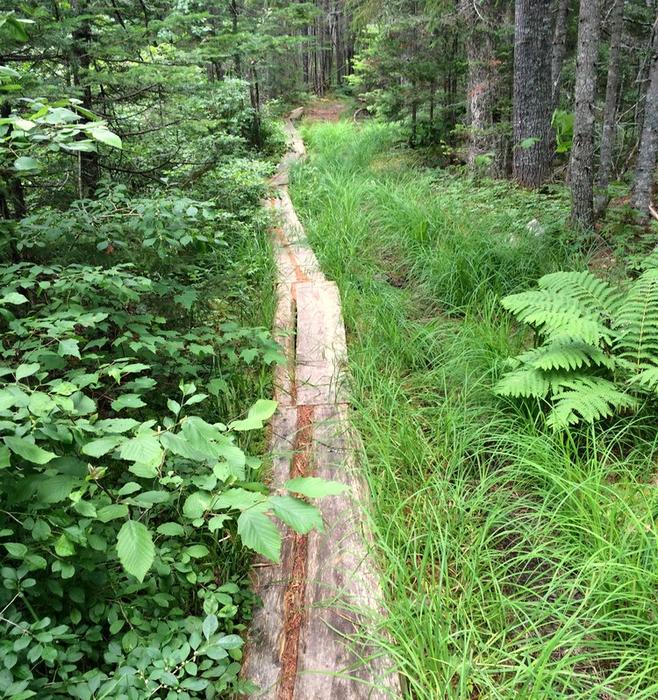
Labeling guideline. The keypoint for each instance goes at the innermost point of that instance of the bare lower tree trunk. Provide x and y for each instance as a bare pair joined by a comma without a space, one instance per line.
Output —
646,157
559,50
235,14
88,165
582,153
532,92
609,130
482,78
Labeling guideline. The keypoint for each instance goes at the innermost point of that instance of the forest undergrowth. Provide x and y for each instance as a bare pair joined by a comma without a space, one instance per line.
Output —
517,561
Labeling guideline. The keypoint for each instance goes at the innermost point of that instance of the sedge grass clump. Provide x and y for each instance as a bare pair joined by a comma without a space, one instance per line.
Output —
517,563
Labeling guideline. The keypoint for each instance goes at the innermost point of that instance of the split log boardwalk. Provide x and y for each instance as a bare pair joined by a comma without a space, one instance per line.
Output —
321,603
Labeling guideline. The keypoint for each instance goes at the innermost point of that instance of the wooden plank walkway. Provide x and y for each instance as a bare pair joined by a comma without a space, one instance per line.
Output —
323,600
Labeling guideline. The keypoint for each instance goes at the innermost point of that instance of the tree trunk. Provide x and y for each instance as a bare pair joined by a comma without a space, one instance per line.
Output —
235,14
609,130
532,92
582,152
646,157
559,50
482,78
88,165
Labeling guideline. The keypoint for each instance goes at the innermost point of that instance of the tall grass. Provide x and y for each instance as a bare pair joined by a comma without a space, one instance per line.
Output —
517,563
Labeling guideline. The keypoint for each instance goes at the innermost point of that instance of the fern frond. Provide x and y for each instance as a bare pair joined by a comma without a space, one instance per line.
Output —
650,261
525,382
566,355
589,291
587,399
556,316
646,379
637,321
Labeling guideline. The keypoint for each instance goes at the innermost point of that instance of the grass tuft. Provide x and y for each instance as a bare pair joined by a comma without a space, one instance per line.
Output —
516,563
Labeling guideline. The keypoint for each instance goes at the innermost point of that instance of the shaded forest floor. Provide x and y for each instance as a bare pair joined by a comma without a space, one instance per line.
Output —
518,563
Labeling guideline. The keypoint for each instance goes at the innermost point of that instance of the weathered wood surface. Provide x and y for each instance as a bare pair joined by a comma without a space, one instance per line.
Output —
343,594
321,348
309,640
263,662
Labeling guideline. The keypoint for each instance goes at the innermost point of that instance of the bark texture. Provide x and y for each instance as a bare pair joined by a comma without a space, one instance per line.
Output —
559,50
88,163
532,92
609,130
480,23
646,157
582,153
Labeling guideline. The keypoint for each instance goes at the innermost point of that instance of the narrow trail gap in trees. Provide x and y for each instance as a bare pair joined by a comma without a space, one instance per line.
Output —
320,604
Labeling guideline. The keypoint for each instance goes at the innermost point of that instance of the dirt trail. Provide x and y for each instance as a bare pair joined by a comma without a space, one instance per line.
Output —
320,604
324,110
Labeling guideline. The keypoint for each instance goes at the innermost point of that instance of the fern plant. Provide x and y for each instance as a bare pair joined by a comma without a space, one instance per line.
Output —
597,345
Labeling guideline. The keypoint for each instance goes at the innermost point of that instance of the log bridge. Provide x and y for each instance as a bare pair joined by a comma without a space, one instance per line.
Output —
312,636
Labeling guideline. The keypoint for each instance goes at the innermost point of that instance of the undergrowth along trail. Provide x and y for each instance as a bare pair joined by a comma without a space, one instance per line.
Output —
517,563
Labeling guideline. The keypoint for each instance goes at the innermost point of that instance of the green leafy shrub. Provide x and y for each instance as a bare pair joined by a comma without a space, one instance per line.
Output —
597,346
120,522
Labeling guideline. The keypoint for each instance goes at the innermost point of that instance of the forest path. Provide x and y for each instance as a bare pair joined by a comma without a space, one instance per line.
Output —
324,109
312,636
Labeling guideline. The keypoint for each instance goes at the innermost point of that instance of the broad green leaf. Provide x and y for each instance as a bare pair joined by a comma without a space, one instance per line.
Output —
145,449
259,533
135,548
197,551
145,471
40,403
86,508
128,401
24,124
171,529
106,136
261,411
27,370
313,487
112,512
116,425
196,504
187,298
217,521
41,531
197,398
210,626
28,450
7,399
15,549
100,447
25,163
64,547
13,298
230,641
56,488
238,499
130,487
178,444
300,516
69,346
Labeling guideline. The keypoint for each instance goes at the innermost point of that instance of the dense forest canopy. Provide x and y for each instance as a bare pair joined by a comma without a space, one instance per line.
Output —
137,282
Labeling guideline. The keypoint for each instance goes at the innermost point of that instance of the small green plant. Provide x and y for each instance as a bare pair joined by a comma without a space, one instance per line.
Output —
563,122
597,346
